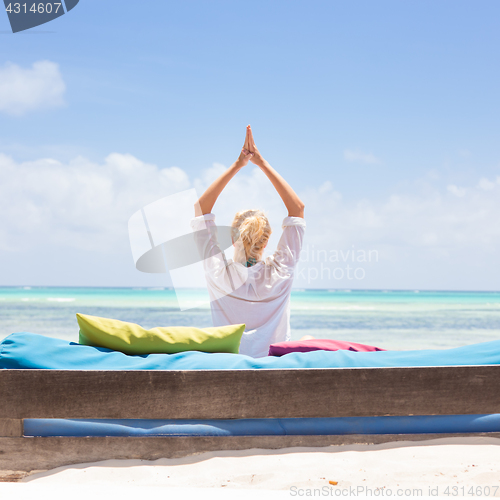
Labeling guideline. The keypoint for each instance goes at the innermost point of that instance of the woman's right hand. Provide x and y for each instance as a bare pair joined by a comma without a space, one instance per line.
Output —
256,158
246,154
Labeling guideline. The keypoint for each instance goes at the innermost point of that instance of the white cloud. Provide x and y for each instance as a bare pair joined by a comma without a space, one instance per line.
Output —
358,156
485,184
79,204
425,240
27,89
429,239
325,187
425,218
457,191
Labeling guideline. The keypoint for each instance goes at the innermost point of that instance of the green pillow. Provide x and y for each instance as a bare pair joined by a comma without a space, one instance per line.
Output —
130,338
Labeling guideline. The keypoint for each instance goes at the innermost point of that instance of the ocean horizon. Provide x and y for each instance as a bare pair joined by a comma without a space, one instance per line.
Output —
391,319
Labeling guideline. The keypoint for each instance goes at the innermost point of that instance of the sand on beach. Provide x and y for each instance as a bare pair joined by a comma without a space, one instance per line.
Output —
458,463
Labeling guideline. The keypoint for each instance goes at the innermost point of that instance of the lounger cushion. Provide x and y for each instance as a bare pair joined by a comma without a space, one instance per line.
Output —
130,338
415,424
25,350
282,348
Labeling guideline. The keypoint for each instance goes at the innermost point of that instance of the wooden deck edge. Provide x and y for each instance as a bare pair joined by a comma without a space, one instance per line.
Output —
12,476
19,456
236,394
11,427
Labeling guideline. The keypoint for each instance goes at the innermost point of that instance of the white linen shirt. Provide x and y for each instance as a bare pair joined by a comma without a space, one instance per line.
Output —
258,296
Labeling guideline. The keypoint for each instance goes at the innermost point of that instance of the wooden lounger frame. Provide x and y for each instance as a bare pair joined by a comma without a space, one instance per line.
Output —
225,394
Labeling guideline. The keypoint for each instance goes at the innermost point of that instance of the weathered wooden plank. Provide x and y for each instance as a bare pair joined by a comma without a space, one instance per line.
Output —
12,476
44,453
218,394
11,427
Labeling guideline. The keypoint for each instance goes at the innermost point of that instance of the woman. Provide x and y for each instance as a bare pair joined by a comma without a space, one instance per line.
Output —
251,290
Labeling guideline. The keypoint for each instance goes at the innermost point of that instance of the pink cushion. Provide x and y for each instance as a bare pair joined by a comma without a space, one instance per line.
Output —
319,345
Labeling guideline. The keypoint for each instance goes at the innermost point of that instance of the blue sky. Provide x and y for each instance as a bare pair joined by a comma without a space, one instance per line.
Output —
386,111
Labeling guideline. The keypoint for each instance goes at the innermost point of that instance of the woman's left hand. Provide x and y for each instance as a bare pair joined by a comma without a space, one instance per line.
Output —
246,154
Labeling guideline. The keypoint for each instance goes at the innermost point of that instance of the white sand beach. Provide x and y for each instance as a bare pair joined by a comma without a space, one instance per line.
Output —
467,466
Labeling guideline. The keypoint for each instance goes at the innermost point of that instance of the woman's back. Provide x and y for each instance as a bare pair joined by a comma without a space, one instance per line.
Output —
258,296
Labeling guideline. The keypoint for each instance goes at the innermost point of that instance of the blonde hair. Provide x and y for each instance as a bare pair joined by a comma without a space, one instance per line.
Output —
250,232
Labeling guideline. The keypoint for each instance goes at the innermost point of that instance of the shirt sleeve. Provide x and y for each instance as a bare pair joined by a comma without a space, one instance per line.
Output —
290,244
202,221
205,236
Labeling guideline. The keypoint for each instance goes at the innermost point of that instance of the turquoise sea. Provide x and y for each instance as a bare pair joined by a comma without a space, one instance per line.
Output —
389,319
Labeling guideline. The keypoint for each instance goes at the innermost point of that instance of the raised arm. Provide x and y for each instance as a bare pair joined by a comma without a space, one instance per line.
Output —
209,197
292,202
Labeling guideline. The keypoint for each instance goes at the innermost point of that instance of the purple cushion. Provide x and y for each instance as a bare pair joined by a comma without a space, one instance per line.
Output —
283,348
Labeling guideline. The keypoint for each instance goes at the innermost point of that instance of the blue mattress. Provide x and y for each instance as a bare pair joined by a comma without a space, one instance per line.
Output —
32,351
265,427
